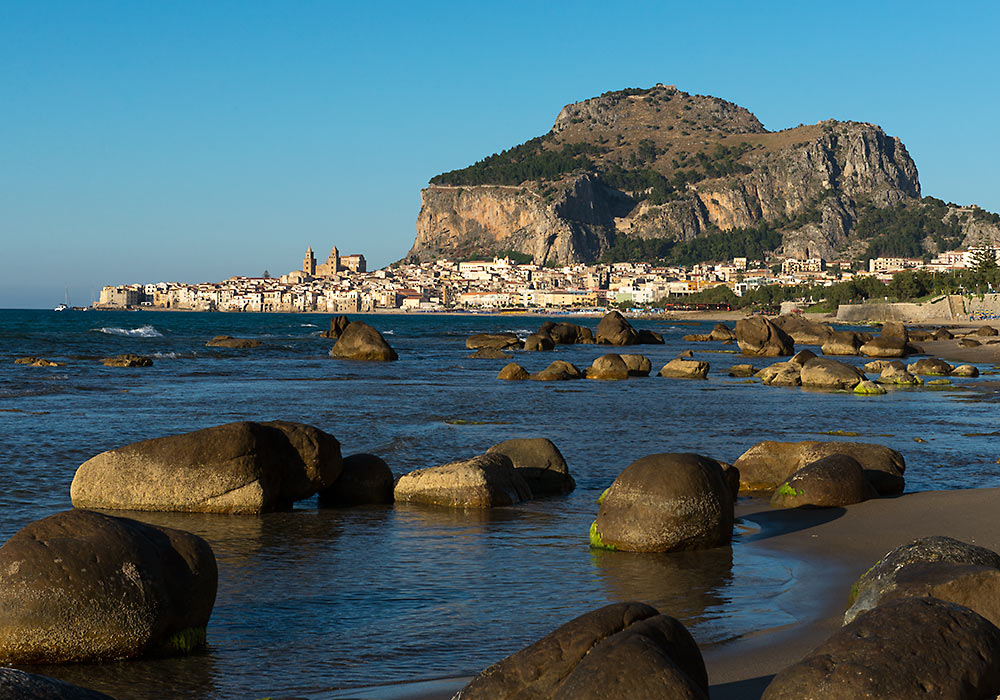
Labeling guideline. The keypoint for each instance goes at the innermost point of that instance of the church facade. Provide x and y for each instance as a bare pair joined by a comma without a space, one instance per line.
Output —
334,265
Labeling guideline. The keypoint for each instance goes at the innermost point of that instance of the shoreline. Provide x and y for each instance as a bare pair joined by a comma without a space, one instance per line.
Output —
833,547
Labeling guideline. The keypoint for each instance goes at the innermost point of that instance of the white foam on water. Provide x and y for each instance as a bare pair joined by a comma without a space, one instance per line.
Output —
141,332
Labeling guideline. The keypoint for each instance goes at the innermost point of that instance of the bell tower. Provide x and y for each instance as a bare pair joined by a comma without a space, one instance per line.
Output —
334,261
309,262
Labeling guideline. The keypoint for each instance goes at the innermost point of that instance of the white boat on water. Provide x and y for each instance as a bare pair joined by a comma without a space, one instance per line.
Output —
61,307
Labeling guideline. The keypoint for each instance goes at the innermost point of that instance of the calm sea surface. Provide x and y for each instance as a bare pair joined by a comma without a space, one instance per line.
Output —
314,600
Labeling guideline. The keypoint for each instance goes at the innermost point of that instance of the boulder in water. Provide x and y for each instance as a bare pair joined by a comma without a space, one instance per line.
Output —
759,336
84,586
831,375
540,463
513,372
489,354
228,341
615,330
359,341
608,367
930,366
836,480
364,480
683,368
638,365
128,360
338,324
243,467
841,343
538,343
494,341
20,685
484,481
965,371
558,371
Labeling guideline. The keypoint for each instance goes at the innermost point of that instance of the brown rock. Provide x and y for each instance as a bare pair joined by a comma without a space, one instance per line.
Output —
742,371
682,368
494,341
842,343
802,357
965,371
83,586
338,324
365,479
759,336
648,337
566,333
128,360
781,374
484,481
768,464
836,480
228,341
513,372
638,365
489,354
830,375
885,347
802,330
986,331
243,467
359,341
968,343
664,503
537,342
879,366
930,366
540,464
905,649
558,371
37,362
722,332
19,685
608,367
615,330
623,651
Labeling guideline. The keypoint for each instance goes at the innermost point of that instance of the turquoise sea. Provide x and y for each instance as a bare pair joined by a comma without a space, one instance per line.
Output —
312,602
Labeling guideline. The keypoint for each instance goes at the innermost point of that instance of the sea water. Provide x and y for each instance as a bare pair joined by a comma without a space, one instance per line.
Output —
315,600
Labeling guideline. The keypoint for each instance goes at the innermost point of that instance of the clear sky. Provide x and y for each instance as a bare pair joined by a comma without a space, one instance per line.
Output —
192,141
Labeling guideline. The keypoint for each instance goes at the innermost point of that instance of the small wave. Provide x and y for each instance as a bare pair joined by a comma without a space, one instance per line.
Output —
388,332
166,355
141,332
308,325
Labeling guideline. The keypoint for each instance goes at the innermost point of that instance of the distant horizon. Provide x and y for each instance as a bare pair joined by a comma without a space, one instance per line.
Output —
194,142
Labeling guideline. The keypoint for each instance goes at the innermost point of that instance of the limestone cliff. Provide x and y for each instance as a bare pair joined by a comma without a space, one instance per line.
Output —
662,165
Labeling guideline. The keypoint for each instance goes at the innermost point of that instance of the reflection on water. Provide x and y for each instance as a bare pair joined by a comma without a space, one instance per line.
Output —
314,599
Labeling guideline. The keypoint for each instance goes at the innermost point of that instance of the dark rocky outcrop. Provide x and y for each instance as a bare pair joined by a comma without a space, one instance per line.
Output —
842,343
648,337
365,479
638,365
768,464
893,374
489,354
683,368
513,372
36,362
987,331
905,649
565,333
20,685
83,586
666,502
721,332
493,341
869,388
965,371
338,324
802,330
608,367
880,578
540,463
622,651
243,467
781,374
830,375
836,480
228,341
128,360
359,341
930,366
537,342
759,336
484,481
743,370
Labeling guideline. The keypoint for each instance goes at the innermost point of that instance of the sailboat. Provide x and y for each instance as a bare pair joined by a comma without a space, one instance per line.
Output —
65,304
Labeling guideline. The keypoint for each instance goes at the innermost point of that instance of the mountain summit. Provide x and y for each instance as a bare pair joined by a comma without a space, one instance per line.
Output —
659,173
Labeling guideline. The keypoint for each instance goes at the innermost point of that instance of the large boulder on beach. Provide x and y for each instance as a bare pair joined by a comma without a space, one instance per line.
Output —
540,463
128,360
359,341
607,367
905,649
841,343
538,343
513,372
84,586
623,651
638,365
484,481
241,467
20,685
664,503
767,465
830,375
494,341
986,331
364,480
881,578
228,341
965,371
615,330
968,343
759,336
683,368
338,324
836,480
559,370
886,347
930,366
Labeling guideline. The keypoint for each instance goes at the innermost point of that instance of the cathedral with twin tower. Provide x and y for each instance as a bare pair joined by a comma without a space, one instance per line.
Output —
334,265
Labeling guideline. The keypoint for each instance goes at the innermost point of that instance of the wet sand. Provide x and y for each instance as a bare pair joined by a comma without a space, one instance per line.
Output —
832,547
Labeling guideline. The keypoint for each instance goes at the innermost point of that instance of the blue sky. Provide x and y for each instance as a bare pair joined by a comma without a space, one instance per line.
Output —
193,141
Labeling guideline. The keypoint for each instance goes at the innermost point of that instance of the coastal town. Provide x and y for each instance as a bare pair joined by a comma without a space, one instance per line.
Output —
343,284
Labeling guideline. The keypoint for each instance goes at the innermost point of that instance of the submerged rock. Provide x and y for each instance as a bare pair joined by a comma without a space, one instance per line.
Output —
664,503
365,479
494,341
489,354
245,467
930,366
513,372
37,362
128,360
228,341
869,388
83,586
623,651
19,685
484,481
359,341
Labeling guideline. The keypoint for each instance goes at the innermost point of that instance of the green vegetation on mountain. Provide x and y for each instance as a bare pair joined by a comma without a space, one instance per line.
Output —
529,161
900,230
